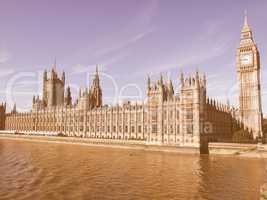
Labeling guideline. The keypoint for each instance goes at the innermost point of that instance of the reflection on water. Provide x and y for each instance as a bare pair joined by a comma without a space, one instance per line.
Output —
60,171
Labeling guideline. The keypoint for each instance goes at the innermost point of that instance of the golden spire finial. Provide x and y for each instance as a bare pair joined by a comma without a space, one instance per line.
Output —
96,70
54,66
246,27
246,17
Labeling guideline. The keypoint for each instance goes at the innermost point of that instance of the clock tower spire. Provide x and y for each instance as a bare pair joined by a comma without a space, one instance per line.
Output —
246,33
246,20
248,71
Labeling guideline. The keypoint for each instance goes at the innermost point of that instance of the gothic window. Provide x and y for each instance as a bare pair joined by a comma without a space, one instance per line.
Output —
154,116
189,128
165,114
154,128
178,129
145,116
170,115
171,129
138,116
189,114
139,129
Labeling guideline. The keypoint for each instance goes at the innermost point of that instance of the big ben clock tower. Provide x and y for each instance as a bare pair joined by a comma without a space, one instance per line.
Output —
248,70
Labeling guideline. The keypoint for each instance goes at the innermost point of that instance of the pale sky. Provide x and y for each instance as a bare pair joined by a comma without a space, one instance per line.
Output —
129,39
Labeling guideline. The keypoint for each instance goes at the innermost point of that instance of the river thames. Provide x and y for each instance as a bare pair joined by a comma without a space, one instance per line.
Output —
33,170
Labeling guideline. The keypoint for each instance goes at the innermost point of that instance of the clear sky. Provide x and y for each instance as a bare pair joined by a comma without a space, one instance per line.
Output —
129,39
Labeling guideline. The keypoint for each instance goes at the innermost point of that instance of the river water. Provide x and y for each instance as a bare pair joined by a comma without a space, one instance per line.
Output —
33,170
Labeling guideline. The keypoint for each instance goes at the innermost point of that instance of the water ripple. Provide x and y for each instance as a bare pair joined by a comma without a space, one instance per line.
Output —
57,171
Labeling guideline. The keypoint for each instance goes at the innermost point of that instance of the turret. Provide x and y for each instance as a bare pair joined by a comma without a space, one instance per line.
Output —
45,75
44,87
148,83
53,74
228,104
160,90
33,100
68,99
161,80
63,77
96,91
182,78
170,90
54,71
197,79
96,81
204,80
197,76
14,110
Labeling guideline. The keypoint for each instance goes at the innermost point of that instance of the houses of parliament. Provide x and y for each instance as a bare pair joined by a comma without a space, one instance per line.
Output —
185,117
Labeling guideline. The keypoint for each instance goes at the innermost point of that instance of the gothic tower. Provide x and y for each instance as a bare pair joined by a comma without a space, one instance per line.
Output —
192,106
248,71
44,88
53,88
156,96
68,98
96,92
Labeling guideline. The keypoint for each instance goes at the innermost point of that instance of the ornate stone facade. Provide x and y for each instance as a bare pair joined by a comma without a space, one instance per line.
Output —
53,89
248,70
185,118
165,118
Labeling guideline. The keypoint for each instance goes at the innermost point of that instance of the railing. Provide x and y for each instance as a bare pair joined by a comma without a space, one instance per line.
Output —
36,133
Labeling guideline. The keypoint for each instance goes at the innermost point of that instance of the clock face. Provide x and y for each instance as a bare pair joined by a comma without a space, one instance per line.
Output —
246,59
